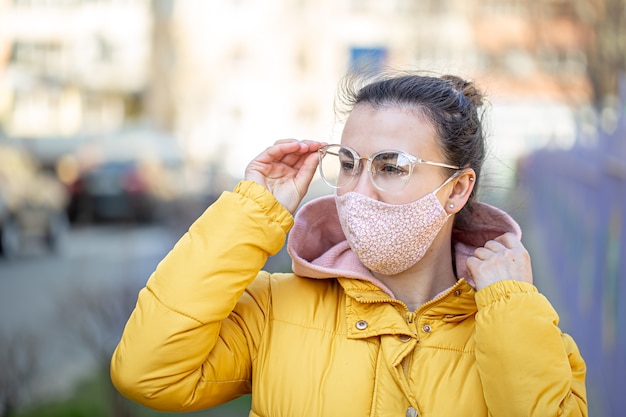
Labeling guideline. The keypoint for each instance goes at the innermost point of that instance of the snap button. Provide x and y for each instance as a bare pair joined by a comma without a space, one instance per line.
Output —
361,325
411,412
457,292
426,328
405,338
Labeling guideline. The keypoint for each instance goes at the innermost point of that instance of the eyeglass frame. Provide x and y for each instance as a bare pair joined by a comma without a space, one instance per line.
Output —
414,160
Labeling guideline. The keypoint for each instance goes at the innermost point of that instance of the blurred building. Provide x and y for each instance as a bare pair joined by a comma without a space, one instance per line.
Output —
72,67
230,77
248,72
274,71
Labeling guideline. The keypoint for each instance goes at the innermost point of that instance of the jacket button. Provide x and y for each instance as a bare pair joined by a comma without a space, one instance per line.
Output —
426,328
361,325
457,292
405,338
411,412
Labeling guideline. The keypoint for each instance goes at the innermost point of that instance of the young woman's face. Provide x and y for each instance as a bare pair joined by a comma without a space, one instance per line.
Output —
369,130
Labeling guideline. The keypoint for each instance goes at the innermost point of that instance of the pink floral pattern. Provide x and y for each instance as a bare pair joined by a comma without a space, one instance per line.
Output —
390,238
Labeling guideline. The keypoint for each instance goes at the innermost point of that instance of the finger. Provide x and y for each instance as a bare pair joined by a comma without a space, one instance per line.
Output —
494,246
472,262
482,253
298,157
314,144
293,159
307,170
289,140
298,147
515,246
279,151
308,145
305,142
508,239
303,146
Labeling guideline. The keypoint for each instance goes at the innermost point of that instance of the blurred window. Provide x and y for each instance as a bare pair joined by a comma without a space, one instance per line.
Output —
163,8
360,6
372,59
45,3
548,59
511,7
104,50
441,6
406,6
482,61
519,62
572,61
40,55
303,61
238,3
558,8
576,61
423,7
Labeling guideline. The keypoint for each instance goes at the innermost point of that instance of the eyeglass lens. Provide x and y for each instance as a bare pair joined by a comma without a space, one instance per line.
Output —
388,170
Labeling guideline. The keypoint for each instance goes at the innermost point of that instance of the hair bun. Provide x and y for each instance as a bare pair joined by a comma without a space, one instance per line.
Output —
467,88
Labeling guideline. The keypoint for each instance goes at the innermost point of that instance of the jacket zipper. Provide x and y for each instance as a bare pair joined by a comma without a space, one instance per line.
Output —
423,307
410,316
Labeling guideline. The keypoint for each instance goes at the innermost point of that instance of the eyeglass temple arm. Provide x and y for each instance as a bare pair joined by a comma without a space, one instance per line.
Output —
438,164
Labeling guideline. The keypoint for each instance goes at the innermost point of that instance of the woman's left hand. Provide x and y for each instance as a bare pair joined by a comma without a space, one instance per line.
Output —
503,258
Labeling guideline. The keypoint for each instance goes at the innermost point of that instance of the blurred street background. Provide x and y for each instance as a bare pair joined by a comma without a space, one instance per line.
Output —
122,120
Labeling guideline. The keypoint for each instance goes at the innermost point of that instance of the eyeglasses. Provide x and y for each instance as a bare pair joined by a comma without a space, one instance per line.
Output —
389,170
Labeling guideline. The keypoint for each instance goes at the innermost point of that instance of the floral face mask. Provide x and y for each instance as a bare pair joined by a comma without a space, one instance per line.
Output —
390,238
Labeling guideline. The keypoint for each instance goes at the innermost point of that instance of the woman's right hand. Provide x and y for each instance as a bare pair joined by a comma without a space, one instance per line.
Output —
286,170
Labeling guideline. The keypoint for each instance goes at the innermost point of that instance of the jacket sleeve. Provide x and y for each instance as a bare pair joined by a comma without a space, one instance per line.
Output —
527,366
192,336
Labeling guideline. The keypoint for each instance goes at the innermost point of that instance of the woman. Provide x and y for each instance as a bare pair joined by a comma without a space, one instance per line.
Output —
407,298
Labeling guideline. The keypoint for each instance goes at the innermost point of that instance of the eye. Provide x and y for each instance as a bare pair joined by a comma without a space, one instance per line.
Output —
347,165
390,164
391,169
347,162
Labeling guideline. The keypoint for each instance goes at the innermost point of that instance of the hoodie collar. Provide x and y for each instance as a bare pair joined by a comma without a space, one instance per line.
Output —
319,249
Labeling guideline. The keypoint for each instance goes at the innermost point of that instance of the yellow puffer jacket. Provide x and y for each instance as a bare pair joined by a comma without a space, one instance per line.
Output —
210,327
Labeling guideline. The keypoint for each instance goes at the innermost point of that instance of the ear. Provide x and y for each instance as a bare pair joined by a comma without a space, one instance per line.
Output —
460,191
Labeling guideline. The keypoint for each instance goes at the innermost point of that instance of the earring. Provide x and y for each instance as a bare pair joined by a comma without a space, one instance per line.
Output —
471,178
451,206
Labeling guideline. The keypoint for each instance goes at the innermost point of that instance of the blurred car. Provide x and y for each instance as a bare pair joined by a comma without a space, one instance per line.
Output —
113,190
134,175
32,203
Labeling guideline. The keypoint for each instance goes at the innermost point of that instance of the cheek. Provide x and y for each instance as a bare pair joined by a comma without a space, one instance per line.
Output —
421,185
413,191
404,197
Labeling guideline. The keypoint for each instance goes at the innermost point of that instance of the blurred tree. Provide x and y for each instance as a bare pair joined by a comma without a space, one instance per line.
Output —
18,367
96,318
580,37
606,50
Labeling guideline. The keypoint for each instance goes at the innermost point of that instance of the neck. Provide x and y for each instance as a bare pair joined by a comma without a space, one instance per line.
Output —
423,281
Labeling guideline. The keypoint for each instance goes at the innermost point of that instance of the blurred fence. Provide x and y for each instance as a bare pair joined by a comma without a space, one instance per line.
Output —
577,203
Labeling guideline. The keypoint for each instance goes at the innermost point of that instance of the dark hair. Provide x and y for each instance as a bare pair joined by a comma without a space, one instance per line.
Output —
449,103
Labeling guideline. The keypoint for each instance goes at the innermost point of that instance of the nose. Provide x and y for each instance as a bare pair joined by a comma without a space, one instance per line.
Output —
362,184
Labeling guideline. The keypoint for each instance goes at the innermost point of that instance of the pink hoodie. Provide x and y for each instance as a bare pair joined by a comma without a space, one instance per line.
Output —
319,248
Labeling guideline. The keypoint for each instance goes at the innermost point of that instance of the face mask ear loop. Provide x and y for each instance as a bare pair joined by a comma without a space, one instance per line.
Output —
450,178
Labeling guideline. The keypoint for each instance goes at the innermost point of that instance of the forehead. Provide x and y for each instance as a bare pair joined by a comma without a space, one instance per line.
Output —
371,129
